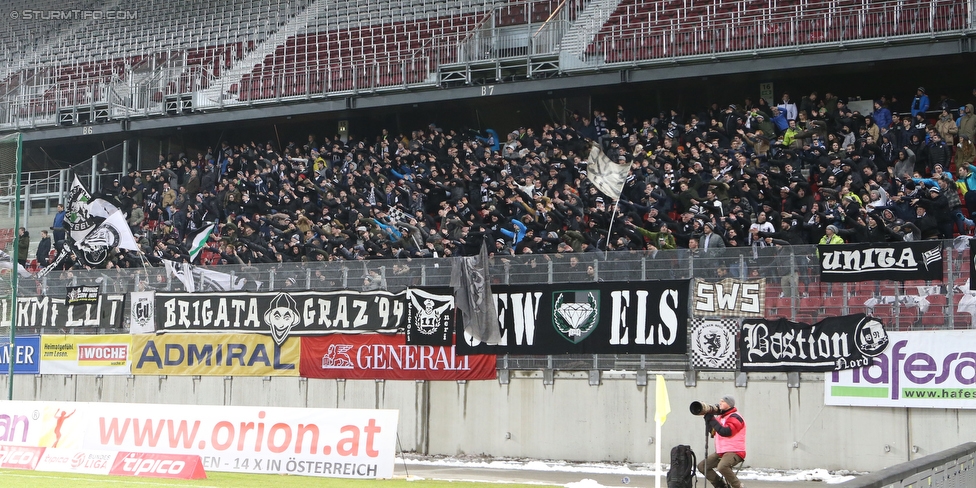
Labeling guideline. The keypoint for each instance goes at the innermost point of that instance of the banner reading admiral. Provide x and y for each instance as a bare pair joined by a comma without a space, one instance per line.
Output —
214,355
641,317
281,314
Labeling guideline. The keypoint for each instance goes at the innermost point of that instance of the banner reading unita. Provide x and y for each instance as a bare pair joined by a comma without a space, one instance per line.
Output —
214,355
81,354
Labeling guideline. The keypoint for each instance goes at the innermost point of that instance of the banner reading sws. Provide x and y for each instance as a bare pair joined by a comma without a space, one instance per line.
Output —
729,298
388,357
85,354
896,261
647,317
281,315
214,355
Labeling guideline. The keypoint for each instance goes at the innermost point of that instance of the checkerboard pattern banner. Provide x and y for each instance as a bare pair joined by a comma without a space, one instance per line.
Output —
713,343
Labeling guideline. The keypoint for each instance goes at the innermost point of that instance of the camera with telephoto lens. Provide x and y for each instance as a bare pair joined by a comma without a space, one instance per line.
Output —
702,408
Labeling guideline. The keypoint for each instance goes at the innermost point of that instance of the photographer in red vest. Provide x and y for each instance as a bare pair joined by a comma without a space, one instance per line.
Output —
729,430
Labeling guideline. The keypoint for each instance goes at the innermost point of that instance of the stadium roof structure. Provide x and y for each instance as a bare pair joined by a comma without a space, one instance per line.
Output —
178,68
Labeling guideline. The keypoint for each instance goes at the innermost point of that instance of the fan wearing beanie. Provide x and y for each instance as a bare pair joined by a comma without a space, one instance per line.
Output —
729,431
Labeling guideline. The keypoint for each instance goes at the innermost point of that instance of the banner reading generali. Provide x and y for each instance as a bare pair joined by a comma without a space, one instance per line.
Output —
214,355
380,356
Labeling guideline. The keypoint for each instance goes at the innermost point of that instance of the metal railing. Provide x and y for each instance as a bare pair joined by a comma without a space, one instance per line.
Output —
732,31
49,187
951,468
625,40
793,287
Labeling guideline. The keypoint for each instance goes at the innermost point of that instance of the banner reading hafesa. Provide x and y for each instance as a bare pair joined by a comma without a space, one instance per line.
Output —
380,356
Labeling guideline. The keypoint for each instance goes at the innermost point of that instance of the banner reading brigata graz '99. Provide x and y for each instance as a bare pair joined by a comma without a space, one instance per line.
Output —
281,314
649,317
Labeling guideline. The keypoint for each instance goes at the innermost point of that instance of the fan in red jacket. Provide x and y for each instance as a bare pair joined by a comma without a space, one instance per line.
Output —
729,430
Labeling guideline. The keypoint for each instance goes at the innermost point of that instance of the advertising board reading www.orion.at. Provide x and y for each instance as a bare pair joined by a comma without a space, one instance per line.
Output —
342,443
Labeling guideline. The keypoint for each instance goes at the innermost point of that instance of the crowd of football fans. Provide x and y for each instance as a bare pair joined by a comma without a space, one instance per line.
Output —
761,174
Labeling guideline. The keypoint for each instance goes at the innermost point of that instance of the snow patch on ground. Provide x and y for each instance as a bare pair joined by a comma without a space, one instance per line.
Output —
623,469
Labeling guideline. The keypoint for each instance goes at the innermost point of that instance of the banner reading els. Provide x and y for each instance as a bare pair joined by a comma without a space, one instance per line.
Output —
214,355
641,317
380,356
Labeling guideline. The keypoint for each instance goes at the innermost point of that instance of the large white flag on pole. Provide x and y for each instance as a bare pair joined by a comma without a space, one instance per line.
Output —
606,175
101,208
114,231
182,272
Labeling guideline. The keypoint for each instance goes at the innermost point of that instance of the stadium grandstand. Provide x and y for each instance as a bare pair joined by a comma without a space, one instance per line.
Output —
313,145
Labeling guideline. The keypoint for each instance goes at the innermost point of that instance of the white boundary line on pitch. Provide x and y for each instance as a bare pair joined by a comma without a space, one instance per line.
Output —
131,482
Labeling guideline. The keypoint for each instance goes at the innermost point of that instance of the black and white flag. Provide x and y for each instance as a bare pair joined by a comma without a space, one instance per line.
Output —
606,175
113,232
472,297
81,295
78,221
200,279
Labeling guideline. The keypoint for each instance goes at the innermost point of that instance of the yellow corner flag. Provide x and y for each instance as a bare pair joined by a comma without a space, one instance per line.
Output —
663,402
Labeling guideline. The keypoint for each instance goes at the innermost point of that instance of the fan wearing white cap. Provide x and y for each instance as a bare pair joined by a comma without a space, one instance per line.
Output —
729,431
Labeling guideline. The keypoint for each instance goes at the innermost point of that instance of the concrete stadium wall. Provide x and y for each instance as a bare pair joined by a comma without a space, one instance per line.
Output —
788,428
